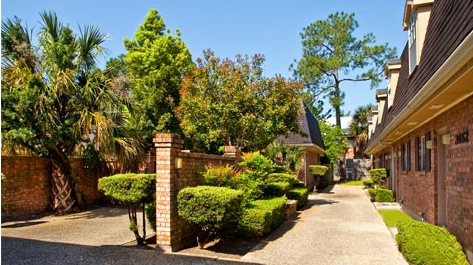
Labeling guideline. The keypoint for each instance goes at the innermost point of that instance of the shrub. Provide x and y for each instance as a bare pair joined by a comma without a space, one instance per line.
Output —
251,187
301,194
372,193
221,176
276,189
318,170
368,183
281,177
298,185
211,208
150,209
134,190
261,217
384,195
378,176
424,243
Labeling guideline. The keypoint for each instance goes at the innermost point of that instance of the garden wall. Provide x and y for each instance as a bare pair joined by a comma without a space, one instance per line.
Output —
26,184
175,170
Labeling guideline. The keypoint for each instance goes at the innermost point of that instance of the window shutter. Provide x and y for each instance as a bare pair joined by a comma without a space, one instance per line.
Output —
417,154
408,155
428,153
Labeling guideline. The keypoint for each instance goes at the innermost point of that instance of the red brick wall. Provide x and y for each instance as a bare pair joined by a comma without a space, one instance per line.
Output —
418,190
26,187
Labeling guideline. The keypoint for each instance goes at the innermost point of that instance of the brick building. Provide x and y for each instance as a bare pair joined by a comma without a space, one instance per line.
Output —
421,131
310,139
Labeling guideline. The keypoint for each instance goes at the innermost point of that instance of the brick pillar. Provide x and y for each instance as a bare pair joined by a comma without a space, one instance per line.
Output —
168,146
233,151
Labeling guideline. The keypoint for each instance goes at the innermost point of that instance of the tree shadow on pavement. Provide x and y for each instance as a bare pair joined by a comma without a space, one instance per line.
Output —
26,251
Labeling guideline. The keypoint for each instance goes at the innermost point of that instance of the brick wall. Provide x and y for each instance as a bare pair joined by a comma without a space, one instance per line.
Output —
173,232
418,189
26,187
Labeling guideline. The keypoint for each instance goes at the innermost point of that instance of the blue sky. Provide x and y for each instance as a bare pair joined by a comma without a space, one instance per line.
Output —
265,27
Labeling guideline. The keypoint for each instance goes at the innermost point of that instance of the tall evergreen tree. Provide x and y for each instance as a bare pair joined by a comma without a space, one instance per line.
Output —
156,62
332,55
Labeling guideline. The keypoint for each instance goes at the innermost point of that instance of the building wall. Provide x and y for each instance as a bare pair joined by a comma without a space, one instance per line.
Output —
417,190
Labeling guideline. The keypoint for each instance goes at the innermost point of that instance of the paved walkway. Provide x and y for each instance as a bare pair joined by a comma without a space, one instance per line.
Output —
338,227
341,227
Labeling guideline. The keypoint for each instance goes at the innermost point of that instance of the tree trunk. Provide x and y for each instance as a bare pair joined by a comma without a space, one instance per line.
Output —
61,191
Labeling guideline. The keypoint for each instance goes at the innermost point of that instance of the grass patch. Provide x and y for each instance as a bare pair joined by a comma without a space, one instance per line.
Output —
352,183
393,217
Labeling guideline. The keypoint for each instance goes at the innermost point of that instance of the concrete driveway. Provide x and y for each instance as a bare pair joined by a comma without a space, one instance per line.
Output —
340,226
89,237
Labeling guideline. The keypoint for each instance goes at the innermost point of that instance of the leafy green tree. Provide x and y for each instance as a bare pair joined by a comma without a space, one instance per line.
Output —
55,102
231,103
335,141
156,62
359,128
331,55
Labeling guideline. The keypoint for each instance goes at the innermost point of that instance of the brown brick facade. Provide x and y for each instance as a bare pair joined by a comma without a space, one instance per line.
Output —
418,190
26,185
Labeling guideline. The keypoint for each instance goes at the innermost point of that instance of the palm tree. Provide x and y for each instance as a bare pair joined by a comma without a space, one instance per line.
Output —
359,129
55,101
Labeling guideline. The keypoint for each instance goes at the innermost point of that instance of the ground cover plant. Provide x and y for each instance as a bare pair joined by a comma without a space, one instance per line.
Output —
424,243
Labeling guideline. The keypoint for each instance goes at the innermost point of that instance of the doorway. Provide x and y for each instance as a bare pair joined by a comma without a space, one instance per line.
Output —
442,179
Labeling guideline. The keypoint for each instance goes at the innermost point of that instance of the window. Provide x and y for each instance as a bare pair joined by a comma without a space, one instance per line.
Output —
406,156
420,153
412,42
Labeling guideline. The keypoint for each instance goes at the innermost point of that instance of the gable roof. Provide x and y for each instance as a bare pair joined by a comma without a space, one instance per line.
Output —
310,135
450,24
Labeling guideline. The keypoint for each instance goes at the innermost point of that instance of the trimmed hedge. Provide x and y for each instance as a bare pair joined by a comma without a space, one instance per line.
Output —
318,170
209,207
384,195
129,187
281,177
378,175
276,189
301,194
424,243
261,217
368,183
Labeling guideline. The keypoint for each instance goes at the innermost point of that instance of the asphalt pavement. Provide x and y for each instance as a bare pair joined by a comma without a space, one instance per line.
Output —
339,226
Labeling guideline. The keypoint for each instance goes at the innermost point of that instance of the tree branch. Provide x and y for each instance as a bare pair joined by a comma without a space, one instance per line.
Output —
354,79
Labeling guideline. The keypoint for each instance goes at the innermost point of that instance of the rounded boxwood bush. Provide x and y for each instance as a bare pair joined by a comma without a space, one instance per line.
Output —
210,208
